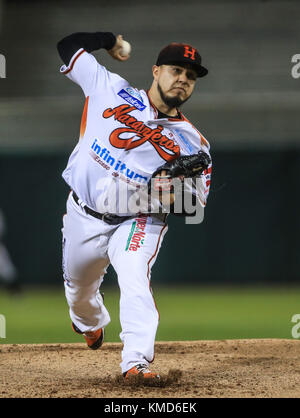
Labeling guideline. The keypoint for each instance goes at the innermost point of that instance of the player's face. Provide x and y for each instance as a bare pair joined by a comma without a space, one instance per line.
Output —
175,83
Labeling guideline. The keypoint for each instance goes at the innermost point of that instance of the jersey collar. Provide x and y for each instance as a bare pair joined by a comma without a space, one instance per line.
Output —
180,115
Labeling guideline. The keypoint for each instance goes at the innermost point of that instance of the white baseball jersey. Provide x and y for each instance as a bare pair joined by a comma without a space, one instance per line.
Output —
121,140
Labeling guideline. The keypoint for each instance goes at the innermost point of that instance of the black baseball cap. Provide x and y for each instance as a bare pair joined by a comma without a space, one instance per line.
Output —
176,54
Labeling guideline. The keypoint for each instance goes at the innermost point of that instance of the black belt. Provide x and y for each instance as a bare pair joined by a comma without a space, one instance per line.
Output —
109,218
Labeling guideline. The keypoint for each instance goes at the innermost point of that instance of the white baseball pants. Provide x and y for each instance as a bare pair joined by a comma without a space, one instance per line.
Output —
89,246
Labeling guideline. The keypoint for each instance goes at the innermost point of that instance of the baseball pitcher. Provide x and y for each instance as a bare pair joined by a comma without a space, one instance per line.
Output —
134,146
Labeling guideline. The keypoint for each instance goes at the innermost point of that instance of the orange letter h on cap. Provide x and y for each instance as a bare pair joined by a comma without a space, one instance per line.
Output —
188,51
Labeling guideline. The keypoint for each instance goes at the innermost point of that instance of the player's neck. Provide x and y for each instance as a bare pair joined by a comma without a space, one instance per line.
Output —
159,104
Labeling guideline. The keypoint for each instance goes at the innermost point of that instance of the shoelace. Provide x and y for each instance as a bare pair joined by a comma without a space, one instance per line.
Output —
142,368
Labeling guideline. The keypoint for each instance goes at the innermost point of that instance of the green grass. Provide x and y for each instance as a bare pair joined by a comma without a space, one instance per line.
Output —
41,315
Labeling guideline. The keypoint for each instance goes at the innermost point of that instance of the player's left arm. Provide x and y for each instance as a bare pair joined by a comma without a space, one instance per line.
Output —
195,189
187,179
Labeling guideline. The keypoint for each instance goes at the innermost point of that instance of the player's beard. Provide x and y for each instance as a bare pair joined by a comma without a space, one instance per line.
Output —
171,102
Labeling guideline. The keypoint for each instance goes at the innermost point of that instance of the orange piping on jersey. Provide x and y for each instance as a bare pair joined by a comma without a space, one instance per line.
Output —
152,105
203,140
181,117
148,272
203,203
83,118
72,65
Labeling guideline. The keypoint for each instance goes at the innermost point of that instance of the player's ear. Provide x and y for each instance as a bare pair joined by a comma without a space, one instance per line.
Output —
155,72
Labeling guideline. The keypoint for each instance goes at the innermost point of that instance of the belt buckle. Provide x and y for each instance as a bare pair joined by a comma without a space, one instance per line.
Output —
104,216
107,218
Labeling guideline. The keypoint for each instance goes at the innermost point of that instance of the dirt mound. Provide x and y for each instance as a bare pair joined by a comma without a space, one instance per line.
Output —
188,369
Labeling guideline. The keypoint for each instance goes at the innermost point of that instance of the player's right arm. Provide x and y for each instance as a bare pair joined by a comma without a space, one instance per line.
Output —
81,66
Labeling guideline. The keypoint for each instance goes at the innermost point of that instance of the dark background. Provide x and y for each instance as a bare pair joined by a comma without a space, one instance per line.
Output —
247,107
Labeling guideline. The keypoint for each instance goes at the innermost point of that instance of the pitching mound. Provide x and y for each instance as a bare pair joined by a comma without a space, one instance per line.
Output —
191,369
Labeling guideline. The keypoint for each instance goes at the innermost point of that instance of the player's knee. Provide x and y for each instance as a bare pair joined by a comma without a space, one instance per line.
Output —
134,270
133,283
139,300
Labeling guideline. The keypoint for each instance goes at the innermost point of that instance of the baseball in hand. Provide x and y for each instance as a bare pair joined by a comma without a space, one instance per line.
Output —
125,49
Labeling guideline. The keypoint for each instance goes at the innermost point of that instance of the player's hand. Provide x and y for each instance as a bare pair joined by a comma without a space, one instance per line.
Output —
117,50
163,185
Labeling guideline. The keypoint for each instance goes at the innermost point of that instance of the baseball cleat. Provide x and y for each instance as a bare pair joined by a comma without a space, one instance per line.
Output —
141,369
94,339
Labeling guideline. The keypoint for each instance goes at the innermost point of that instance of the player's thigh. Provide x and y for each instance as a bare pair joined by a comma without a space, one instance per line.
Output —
84,247
133,249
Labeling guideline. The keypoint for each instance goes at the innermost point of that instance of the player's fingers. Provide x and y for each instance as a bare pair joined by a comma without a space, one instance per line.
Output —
162,184
162,173
117,45
116,54
119,57
119,40
123,57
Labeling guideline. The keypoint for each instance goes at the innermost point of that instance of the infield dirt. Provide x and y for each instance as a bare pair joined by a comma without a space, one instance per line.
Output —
188,369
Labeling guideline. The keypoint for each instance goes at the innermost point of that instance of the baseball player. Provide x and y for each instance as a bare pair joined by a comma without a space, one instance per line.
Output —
127,138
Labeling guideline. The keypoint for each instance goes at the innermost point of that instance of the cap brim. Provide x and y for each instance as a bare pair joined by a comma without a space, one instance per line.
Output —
202,71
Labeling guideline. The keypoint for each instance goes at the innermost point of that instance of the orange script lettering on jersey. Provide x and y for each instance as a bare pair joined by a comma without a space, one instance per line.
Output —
141,133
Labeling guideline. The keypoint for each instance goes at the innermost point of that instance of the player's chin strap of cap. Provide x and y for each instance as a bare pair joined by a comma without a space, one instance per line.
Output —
109,218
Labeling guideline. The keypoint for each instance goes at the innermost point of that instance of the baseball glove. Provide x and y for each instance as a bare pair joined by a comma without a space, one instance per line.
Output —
185,166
